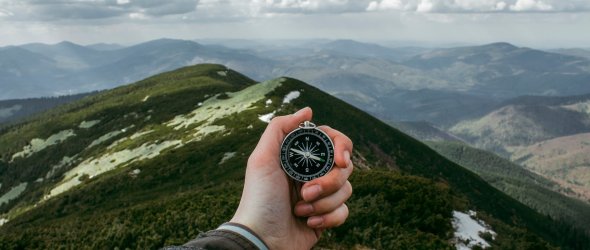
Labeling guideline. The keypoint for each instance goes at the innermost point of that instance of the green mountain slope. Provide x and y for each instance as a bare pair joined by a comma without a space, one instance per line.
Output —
156,162
564,159
529,188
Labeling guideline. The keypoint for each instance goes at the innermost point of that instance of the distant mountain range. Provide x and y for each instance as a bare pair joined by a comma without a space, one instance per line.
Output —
157,162
36,70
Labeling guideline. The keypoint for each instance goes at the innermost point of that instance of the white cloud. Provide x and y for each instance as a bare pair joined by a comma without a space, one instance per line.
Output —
385,5
530,5
6,13
121,2
480,6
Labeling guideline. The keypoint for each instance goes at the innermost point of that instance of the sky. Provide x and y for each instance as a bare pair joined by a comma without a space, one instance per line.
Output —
533,23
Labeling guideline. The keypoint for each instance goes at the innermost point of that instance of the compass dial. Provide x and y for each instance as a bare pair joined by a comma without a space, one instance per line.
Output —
307,153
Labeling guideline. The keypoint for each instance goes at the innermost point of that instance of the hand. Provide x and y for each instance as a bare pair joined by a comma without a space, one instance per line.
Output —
269,204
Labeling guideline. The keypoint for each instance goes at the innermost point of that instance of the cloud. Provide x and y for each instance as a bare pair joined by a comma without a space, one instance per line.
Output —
219,10
480,6
57,10
530,5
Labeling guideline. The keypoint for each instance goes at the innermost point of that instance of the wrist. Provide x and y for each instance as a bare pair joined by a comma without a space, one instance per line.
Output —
245,232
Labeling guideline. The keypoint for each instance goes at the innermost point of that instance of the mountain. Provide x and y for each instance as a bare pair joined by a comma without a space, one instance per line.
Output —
505,71
105,46
28,69
36,70
526,120
363,50
565,160
68,55
13,110
442,86
156,162
547,135
425,131
573,52
527,187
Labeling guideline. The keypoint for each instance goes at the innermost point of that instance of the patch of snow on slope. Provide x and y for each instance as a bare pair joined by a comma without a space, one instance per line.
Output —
222,73
226,157
468,230
65,161
204,131
37,144
291,96
3,221
88,124
267,117
132,137
13,193
93,167
145,98
268,102
214,108
104,138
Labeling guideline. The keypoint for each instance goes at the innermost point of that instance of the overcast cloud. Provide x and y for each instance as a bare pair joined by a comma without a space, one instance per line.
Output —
535,22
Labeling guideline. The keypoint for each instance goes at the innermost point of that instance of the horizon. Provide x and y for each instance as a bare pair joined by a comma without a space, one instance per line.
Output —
530,23
298,42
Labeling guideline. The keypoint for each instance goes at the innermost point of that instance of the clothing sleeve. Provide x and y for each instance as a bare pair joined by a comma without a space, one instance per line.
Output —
228,236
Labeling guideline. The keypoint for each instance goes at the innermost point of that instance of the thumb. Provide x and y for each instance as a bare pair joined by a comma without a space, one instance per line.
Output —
280,126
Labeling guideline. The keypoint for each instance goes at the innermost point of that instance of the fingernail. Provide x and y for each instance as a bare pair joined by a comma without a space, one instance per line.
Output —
299,111
312,192
315,221
304,209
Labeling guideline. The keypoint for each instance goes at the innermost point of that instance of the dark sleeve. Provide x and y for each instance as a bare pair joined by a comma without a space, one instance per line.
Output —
228,236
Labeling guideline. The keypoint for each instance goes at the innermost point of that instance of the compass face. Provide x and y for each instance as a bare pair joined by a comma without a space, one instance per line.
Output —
306,154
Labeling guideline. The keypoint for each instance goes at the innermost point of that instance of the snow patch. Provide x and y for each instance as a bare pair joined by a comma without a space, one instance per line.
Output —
88,124
222,73
468,230
13,193
65,161
132,137
291,96
134,173
3,221
267,117
268,102
93,167
140,134
37,144
145,98
226,157
39,180
104,138
214,108
204,131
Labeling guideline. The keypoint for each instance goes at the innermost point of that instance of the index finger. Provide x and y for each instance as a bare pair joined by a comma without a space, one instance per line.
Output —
342,146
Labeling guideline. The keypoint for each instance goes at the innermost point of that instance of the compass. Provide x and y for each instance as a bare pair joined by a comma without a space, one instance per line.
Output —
307,153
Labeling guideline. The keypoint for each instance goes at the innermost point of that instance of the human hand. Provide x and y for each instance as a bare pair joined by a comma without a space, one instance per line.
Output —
272,208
